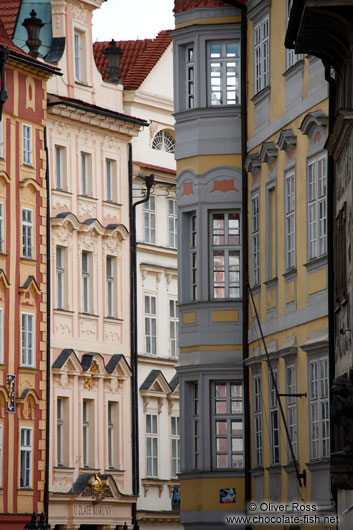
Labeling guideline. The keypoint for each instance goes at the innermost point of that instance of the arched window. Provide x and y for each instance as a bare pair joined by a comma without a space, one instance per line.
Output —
164,141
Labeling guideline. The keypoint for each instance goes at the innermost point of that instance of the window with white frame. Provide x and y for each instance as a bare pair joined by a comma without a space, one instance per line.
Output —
289,199
151,445
110,286
172,223
319,408
255,239
175,445
60,277
196,426
62,434
261,54
26,448
150,324
291,56
27,339
87,433
1,138
225,254
274,417
164,141
228,426
113,435
60,167
257,420
190,77
86,282
150,220
317,211
173,328
292,407
224,72
27,233
86,174
2,242
110,180
27,144
79,56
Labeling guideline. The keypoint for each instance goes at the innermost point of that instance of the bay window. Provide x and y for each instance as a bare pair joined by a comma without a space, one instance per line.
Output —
225,254
224,73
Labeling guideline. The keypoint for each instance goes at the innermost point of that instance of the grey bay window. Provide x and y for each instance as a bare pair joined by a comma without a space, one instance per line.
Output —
175,446
193,258
224,76
190,77
196,426
225,254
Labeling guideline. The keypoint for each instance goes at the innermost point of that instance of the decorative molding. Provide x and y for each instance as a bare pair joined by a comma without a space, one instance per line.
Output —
148,483
287,140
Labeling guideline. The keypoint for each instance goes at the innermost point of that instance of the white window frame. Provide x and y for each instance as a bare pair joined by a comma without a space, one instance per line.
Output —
317,206
112,432
193,256
110,268
109,182
255,238
149,211
27,339
257,411
173,328
59,432
225,275
27,144
152,445
26,455
27,233
172,223
60,277
2,241
290,219
78,56
164,141
88,433
274,420
2,139
196,425
150,324
292,420
175,445
228,441
60,167
261,54
219,69
86,174
319,411
86,282
190,71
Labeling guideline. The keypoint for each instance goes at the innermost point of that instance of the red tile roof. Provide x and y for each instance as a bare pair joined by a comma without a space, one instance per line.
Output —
8,14
155,168
138,59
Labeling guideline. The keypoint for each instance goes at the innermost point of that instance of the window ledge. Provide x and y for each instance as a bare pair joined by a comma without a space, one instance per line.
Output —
316,263
262,95
25,491
63,311
61,190
114,470
64,468
28,165
113,319
111,203
83,84
318,465
23,259
92,469
90,315
294,69
274,469
89,197
272,282
290,274
148,483
27,369
257,471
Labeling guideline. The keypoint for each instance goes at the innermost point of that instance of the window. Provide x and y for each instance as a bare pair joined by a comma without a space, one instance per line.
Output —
1,227
62,435
255,239
27,233
193,257
27,339
60,167
225,252
2,138
150,220
78,56
228,426
317,215
86,180
290,219
87,433
150,325
319,408
196,426
172,223
0,455
86,282
175,440
110,180
224,67
27,144
1,336
274,418
292,408
340,253
112,434
25,457
151,445
164,141
257,420
60,277
190,77
173,327
261,54
109,282
291,56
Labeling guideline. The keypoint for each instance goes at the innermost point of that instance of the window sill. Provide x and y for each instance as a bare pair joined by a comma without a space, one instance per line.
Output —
259,97
27,164
26,490
111,203
23,259
113,319
61,190
290,274
63,311
316,263
92,315
82,83
89,197
274,469
114,470
272,282
319,464
27,369
92,469
294,69
63,467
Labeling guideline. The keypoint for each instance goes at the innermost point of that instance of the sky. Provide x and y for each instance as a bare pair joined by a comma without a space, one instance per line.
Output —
132,19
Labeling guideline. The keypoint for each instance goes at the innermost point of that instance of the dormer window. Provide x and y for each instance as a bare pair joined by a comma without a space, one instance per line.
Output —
164,141
79,56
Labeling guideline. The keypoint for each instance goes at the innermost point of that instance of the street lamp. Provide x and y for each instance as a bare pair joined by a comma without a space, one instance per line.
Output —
34,523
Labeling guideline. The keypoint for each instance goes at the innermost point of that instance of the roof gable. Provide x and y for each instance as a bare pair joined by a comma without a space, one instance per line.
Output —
9,13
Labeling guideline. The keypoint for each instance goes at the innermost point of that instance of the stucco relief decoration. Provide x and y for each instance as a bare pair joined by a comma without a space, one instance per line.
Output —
224,186
112,336
58,8
88,240
61,129
112,246
3,402
27,409
87,210
153,129
111,218
97,488
62,482
78,13
10,389
188,188
60,206
87,328
63,234
63,329
30,93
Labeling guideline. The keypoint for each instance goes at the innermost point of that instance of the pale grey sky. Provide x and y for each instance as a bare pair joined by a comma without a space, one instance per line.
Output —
132,19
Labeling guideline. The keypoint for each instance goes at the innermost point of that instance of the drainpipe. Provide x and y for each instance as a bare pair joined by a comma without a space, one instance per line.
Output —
133,332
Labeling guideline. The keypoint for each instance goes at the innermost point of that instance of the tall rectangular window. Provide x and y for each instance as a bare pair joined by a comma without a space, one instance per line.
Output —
86,174
60,167
26,444
86,282
173,328
228,426
274,418
193,258
150,324
196,426
1,466
257,420
289,198
2,242
317,214
27,233
112,434
109,282
255,239
59,431
224,72
60,277
27,339
291,56
175,445
1,336
292,408
78,56
225,255
190,77
172,223
319,408
87,433
150,220
261,54
27,144
151,445
110,181
2,139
